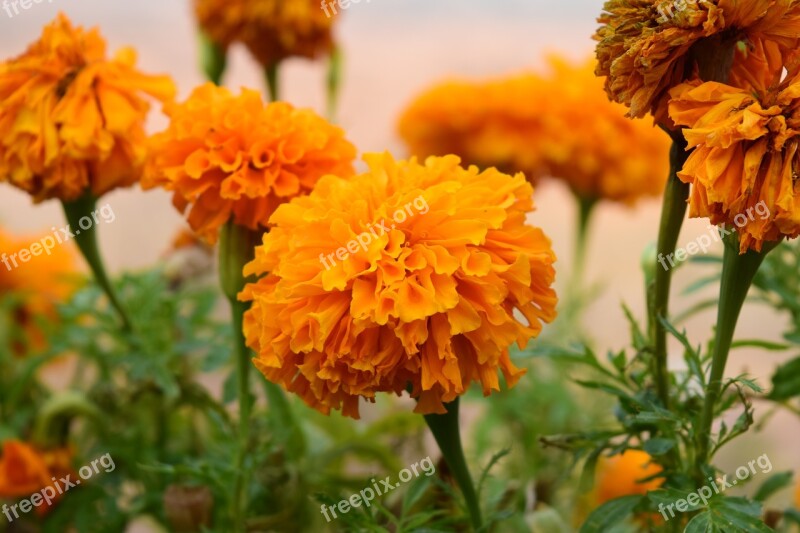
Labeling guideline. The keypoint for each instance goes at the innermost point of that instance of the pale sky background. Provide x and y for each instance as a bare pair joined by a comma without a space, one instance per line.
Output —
394,49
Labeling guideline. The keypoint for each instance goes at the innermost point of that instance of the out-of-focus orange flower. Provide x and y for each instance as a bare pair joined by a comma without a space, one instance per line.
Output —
71,119
37,285
272,30
797,497
624,475
25,470
557,124
646,47
745,161
231,156
431,300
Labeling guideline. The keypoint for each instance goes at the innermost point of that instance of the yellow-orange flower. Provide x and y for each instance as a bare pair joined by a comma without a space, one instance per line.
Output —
25,470
625,474
231,156
71,119
431,301
36,285
797,497
647,47
272,30
557,124
744,165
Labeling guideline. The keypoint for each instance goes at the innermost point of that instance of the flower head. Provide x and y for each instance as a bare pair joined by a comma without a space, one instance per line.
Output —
558,123
646,47
231,156
626,474
26,470
71,119
743,166
36,286
272,30
410,276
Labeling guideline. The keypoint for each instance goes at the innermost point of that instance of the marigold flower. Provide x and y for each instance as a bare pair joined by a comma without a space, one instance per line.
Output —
797,497
407,276
539,125
72,120
625,474
743,168
25,470
38,285
646,47
272,30
232,156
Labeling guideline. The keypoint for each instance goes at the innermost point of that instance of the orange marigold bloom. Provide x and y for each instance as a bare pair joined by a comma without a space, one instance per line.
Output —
72,120
25,470
646,47
624,475
797,497
409,275
743,168
232,156
272,30
37,285
539,125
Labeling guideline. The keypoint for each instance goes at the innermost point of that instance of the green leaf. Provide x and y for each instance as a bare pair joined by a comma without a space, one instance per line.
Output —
772,485
786,381
658,446
611,513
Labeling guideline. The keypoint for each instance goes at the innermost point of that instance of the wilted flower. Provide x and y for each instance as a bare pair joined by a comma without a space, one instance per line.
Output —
35,287
745,156
646,47
557,124
227,156
26,470
408,277
272,30
72,120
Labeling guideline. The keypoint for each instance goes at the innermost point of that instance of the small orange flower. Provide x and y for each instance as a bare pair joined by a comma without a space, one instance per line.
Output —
72,120
272,30
231,156
407,276
38,284
647,47
624,475
743,168
797,497
558,124
25,470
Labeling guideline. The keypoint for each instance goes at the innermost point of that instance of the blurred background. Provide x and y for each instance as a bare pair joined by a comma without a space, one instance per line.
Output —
394,49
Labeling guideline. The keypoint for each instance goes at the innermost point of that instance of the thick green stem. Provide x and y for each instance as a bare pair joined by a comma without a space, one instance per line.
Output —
236,249
445,429
78,211
273,82
738,271
673,212
213,59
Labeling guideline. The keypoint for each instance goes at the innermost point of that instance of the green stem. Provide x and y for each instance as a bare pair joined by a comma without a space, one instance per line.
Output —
81,209
334,82
445,429
672,214
236,249
738,271
213,59
273,85
585,210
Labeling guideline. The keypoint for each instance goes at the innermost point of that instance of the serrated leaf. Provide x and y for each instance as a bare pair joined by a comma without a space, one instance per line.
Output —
611,513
